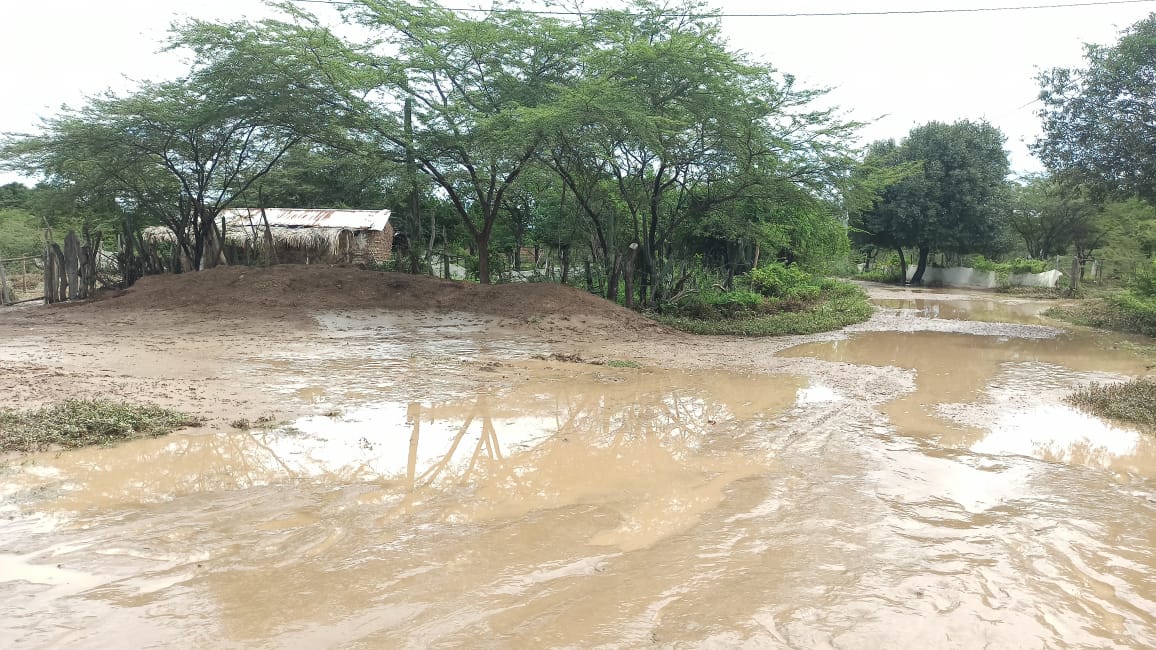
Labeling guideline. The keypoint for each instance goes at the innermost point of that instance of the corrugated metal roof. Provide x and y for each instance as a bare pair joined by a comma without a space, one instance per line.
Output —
302,218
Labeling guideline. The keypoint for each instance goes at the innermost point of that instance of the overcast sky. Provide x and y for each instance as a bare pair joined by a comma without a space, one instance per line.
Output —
897,70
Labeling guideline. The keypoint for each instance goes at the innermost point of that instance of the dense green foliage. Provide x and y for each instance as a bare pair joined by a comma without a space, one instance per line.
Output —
1050,218
633,143
1012,267
829,305
773,299
954,199
20,233
1099,125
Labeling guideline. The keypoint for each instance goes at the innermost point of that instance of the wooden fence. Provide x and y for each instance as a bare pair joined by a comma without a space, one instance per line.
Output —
20,280
70,273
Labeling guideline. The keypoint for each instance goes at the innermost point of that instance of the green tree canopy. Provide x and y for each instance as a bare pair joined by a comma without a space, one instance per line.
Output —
954,203
1050,218
1099,122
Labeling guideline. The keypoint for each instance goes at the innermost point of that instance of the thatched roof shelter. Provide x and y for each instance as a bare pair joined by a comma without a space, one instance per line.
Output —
364,235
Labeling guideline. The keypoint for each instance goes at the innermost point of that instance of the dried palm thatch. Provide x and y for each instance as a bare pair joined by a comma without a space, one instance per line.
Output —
321,239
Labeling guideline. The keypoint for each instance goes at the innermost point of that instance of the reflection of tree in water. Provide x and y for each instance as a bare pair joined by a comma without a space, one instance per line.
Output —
588,420
599,442
162,468
676,419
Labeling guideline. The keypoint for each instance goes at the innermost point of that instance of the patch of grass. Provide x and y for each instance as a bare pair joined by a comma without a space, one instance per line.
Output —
1134,401
838,305
1121,312
885,275
83,423
621,363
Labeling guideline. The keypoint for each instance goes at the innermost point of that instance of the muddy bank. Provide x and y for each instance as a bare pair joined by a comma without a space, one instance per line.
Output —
915,481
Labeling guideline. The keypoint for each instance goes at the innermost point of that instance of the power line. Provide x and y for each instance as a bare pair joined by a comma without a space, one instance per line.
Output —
802,14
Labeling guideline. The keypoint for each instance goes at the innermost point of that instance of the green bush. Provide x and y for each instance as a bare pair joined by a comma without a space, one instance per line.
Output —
776,280
1125,311
713,305
886,274
1020,266
1139,307
1144,282
20,234
839,305
1014,267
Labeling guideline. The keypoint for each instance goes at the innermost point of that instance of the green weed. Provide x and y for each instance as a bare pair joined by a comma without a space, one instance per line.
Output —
82,423
1134,401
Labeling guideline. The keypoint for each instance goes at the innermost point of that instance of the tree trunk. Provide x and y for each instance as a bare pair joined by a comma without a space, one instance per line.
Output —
1074,282
483,245
445,255
902,266
629,272
923,254
565,264
612,280
589,277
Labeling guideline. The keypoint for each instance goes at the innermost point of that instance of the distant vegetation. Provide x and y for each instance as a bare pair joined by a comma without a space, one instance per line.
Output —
1130,310
631,151
769,301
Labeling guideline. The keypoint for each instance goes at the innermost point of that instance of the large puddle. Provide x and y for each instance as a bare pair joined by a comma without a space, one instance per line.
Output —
587,506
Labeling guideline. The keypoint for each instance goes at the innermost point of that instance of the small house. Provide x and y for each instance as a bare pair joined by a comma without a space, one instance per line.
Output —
301,236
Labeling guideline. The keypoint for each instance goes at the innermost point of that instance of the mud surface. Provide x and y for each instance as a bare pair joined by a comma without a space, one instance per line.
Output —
434,477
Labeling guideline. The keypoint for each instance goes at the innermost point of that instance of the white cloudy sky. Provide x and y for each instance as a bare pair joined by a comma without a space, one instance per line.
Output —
898,70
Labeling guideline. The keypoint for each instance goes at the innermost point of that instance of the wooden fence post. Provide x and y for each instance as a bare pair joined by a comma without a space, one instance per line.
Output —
49,274
4,287
61,286
72,265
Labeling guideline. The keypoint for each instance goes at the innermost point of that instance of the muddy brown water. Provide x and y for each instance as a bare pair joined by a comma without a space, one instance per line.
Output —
570,505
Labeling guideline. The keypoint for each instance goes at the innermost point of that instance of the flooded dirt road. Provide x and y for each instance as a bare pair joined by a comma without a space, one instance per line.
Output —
915,481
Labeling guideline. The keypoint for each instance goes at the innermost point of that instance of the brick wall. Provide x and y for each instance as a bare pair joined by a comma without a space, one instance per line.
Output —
379,245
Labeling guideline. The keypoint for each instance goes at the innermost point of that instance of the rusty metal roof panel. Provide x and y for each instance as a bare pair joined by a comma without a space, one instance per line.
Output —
308,218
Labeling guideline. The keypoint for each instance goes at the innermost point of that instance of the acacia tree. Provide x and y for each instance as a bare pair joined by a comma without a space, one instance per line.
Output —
480,89
1050,219
670,125
180,151
1099,122
956,200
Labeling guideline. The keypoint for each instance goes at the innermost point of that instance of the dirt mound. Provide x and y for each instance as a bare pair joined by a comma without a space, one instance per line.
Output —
295,290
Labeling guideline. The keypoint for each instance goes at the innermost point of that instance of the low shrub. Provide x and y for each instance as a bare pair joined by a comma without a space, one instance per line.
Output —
1144,282
1004,270
777,280
889,275
835,305
1134,401
1124,311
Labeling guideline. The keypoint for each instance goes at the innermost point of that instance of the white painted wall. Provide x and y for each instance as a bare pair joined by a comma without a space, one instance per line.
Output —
959,276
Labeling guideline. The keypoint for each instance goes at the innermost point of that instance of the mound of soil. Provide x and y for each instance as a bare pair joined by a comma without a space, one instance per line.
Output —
288,291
